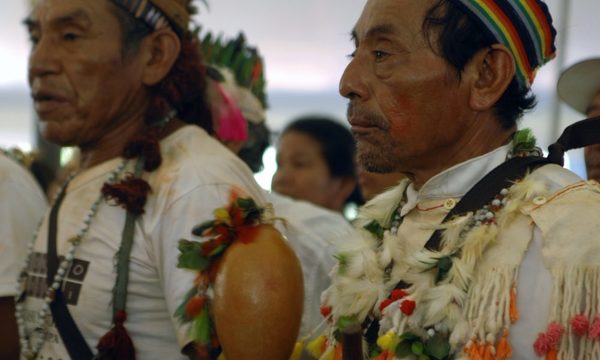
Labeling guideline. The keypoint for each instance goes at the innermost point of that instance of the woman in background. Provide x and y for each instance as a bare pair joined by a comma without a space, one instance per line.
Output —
315,163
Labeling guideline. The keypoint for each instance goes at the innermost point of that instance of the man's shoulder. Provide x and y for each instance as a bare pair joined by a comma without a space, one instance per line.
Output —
16,180
567,216
190,154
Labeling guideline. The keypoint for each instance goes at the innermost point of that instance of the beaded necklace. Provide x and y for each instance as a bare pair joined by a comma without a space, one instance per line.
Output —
427,332
32,344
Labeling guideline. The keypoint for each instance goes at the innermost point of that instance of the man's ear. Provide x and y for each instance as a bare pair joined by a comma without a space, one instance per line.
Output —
493,69
160,50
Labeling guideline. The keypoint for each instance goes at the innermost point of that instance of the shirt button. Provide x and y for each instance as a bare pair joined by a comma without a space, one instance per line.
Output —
449,204
539,200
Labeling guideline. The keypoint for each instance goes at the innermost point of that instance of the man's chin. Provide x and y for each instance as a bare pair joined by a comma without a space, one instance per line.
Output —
56,136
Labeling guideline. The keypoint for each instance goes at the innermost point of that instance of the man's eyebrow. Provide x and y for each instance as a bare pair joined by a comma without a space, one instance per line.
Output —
354,37
374,32
78,17
380,30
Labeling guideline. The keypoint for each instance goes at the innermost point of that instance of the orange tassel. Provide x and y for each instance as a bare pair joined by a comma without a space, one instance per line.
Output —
552,354
488,352
503,348
514,311
474,351
338,352
382,356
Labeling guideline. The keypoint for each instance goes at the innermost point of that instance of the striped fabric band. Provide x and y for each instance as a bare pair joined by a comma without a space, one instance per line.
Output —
524,26
144,10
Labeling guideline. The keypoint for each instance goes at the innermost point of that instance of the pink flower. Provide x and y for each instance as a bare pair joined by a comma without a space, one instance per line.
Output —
579,324
408,307
595,328
542,345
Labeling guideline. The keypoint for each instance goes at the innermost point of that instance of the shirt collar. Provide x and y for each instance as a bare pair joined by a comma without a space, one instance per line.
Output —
457,180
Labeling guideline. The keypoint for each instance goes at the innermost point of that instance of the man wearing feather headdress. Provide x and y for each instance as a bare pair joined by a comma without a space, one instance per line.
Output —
435,89
124,81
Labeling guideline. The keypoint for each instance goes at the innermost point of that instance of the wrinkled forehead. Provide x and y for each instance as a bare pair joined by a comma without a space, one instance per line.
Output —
395,16
79,12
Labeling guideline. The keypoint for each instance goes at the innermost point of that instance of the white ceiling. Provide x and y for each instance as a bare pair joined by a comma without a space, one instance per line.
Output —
305,43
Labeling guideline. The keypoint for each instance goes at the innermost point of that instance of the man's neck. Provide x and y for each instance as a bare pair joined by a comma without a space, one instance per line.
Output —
112,144
477,141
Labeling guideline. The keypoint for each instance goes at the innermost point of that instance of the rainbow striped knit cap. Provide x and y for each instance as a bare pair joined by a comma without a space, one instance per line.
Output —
523,26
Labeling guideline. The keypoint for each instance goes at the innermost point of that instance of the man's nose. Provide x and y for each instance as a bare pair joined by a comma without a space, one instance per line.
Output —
43,60
352,83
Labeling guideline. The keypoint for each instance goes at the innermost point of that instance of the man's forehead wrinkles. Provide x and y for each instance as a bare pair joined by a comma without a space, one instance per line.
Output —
59,18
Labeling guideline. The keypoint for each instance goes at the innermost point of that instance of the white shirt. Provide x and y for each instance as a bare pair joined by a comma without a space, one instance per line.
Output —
195,178
534,281
22,205
312,232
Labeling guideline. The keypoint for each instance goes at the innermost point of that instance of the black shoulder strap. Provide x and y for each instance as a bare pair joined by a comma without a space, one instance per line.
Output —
487,188
75,343
582,133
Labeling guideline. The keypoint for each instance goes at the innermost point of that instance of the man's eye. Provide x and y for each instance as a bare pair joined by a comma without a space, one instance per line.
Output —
34,40
351,55
70,36
379,55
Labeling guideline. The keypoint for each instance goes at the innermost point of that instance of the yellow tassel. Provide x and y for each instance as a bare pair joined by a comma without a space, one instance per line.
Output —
385,340
297,350
503,348
317,346
221,356
223,215
329,355
513,311
552,354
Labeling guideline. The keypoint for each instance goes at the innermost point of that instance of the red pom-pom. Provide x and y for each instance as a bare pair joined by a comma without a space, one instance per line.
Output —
398,294
580,324
542,345
595,328
555,332
325,310
408,307
116,344
385,303
130,194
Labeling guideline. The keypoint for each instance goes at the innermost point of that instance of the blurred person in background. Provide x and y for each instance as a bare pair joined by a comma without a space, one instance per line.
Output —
579,87
22,205
316,163
238,104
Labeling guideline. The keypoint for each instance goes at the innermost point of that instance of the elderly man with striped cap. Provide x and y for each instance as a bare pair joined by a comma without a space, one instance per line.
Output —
124,81
488,250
